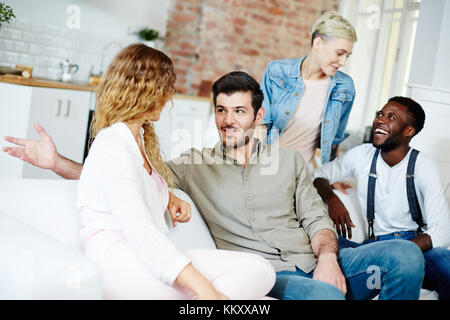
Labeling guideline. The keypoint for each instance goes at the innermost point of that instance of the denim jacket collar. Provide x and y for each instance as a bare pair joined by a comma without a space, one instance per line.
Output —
295,72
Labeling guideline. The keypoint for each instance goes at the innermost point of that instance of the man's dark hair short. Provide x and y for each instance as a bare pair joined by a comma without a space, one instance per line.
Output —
415,113
239,81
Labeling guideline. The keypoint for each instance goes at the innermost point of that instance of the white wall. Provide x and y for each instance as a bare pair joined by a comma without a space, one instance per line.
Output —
442,67
40,37
101,17
430,61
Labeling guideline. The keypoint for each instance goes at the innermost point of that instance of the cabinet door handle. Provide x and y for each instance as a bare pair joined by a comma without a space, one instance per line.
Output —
68,109
58,111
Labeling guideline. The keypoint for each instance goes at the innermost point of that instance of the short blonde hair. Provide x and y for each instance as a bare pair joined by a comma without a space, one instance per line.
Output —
332,25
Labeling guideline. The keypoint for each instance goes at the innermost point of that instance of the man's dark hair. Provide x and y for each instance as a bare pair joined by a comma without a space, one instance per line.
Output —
415,113
239,81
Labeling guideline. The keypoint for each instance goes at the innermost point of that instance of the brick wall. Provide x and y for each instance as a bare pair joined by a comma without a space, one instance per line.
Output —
208,38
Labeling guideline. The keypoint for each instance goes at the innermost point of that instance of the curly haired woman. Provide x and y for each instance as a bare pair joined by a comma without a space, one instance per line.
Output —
123,196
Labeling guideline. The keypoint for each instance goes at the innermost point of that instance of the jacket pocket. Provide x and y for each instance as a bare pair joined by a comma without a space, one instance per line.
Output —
339,100
280,82
342,96
282,92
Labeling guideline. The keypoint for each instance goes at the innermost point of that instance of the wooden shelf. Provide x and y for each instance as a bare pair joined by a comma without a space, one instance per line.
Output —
45,83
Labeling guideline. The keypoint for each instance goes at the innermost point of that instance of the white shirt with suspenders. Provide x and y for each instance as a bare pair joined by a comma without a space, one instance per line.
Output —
391,207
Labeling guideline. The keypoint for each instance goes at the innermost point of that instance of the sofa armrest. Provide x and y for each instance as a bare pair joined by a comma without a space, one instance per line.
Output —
36,266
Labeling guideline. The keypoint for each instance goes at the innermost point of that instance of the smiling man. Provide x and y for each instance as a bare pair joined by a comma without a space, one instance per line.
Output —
236,117
398,187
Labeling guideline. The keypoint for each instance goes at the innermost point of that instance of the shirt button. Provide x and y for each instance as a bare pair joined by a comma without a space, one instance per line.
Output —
287,112
284,255
249,198
296,94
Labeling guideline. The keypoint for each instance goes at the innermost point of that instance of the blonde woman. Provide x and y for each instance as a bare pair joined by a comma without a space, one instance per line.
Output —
308,100
123,196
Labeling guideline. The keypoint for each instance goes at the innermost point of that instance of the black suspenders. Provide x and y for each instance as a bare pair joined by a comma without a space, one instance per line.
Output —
414,207
371,193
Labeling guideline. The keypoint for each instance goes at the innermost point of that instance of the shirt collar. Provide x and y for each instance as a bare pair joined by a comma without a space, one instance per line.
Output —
295,72
126,135
220,151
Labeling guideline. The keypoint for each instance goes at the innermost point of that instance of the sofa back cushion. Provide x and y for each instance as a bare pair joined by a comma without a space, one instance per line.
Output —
49,206
194,234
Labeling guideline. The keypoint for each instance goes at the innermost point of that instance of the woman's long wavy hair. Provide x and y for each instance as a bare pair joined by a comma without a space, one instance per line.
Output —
138,83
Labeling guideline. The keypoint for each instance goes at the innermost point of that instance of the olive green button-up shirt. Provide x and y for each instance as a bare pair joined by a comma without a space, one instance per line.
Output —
269,207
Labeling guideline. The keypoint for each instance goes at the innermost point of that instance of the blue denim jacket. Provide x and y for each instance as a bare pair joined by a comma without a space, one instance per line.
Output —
282,86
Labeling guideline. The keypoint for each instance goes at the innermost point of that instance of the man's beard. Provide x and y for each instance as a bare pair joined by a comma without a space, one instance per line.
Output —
249,133
236,144
389,144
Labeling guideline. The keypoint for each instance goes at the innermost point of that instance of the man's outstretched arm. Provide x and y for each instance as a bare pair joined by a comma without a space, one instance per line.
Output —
43,154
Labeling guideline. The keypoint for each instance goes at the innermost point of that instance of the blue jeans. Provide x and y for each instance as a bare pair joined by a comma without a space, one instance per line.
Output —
392,269
437,262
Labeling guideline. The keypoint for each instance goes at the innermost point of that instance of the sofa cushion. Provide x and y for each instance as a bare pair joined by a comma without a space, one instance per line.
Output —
194,234
36,266
447,192
46,205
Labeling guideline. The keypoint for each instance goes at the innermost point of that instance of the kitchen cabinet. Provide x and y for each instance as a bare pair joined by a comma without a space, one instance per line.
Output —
62,112
187,123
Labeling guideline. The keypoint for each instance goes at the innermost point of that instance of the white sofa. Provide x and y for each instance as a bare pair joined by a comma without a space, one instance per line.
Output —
41,255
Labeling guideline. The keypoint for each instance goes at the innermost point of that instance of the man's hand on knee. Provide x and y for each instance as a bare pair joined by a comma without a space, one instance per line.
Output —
328,270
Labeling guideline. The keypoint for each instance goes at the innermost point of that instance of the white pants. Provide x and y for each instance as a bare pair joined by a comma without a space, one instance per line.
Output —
238,275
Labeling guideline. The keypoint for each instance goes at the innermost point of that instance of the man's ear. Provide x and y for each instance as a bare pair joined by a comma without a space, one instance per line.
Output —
260,115
410,131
